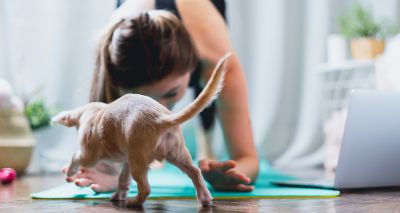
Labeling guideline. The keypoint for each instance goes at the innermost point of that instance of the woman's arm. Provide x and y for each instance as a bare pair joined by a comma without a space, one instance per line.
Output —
211,37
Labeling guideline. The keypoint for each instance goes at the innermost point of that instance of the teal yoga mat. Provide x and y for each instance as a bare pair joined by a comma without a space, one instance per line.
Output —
171,183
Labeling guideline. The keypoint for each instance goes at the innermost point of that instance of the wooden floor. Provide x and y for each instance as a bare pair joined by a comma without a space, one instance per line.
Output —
15,198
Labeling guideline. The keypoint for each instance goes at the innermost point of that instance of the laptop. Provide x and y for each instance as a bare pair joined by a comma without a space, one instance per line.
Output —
370,150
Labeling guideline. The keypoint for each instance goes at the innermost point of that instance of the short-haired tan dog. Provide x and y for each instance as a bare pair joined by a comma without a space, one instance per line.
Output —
136,130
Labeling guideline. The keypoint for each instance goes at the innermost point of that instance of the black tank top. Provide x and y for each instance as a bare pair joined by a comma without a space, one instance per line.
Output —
170,5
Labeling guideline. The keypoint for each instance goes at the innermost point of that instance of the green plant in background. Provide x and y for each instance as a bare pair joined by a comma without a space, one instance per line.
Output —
359,22
38,114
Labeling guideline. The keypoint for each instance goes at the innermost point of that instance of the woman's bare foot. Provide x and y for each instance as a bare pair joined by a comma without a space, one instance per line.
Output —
101,178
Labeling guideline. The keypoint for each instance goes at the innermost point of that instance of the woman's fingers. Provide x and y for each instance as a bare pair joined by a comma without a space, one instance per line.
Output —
204,165
99,189
222,166
102,178
223,176
81,174
96,188
82,182
70,179
235,188
215,166
244,188
238,176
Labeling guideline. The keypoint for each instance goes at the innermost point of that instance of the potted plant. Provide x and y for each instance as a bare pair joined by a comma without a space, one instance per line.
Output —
366,35
38,114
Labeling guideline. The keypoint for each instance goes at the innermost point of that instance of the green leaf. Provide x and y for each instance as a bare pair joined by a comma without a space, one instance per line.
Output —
38,114
359,22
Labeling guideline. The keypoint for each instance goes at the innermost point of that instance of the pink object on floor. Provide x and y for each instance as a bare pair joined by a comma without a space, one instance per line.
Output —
7,175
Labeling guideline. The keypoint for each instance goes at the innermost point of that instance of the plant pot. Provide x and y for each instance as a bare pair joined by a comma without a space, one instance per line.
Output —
367,48
16,156
16,140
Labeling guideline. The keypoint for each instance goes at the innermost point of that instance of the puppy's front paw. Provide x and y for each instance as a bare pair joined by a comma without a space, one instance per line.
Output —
72,171
207,201
119,195
205,198
134,202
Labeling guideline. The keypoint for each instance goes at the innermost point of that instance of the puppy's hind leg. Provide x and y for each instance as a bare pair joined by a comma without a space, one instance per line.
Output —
182,159
139,169
123,184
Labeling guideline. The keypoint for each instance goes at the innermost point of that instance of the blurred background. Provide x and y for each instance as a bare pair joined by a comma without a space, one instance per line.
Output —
301,58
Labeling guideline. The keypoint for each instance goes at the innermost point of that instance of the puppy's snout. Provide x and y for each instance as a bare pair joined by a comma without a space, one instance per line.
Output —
59,118
65,118
53,121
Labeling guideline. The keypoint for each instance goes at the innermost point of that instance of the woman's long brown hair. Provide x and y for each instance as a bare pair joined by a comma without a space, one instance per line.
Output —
139,51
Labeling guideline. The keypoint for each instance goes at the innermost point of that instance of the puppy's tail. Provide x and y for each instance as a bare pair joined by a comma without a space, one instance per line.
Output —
209,93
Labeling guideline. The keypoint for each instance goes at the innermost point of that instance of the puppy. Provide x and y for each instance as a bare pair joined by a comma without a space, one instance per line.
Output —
136,130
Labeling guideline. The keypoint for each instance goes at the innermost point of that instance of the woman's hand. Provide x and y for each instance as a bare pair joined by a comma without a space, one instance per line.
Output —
223,176
101,178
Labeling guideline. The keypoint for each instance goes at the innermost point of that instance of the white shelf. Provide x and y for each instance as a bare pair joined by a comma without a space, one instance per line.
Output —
346,65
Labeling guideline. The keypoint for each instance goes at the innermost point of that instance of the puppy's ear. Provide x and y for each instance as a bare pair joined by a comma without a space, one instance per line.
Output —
67,118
